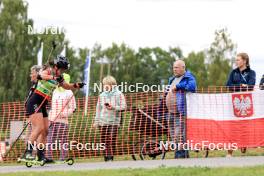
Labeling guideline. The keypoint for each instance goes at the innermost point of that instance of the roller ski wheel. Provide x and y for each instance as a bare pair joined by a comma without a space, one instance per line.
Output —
70,161
30,163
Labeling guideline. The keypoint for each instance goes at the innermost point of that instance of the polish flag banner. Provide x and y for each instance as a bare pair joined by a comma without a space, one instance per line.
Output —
226,118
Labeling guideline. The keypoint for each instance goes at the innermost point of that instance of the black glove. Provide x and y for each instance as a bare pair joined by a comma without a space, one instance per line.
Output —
79,85
59,79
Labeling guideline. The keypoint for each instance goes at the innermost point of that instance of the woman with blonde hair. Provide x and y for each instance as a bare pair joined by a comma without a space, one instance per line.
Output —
108,115
243,78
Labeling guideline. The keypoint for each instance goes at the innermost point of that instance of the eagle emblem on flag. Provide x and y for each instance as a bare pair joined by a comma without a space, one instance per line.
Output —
242,105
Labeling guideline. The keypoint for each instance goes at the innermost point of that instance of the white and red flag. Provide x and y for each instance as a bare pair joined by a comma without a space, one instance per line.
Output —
226,118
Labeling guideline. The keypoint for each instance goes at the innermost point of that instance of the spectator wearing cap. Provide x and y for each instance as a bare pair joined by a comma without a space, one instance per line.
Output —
63,106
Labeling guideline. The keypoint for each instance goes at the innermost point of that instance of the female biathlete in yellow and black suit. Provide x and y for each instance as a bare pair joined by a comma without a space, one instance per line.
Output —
48,79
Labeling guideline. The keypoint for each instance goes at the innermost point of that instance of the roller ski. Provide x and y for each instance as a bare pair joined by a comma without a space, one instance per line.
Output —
30,162
68,161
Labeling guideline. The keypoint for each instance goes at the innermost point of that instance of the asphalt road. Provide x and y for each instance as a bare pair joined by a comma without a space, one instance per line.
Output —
198,162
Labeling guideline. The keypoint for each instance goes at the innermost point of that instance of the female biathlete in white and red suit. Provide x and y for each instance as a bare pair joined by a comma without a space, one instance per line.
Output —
48,79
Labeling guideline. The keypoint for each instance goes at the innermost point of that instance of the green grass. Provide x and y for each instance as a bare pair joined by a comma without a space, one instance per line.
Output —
162,171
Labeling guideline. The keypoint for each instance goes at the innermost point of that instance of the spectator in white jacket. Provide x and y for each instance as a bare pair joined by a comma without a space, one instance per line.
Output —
63,106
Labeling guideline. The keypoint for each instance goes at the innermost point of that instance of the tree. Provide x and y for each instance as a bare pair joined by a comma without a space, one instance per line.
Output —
195,62
220,56
17,50
164,63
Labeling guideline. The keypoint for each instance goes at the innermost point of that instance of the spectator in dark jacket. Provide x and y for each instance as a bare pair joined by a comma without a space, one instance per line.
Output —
261,85
242,78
